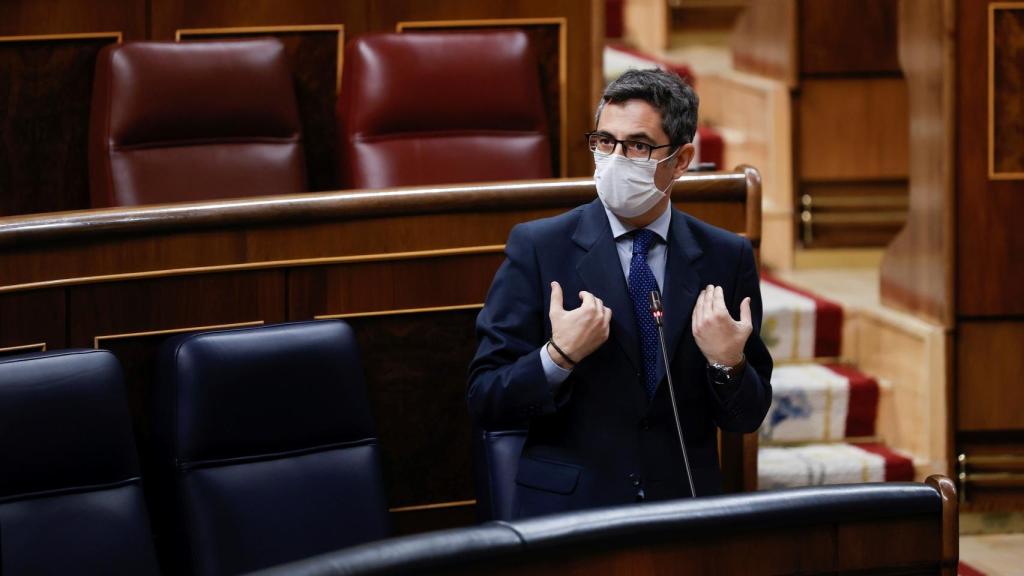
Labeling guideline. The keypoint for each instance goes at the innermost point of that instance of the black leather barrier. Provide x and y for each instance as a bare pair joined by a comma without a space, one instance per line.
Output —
482,545
517,543
70,493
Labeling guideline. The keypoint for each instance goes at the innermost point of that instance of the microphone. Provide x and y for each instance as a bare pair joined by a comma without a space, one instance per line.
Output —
657,311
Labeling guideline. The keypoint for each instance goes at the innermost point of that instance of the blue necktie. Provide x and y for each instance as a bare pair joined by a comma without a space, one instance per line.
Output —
641,283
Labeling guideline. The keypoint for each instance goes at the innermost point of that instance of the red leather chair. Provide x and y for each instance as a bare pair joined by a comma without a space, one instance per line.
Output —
195,121
442,107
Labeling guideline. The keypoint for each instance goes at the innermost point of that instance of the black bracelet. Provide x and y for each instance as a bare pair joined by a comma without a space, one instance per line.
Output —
561,352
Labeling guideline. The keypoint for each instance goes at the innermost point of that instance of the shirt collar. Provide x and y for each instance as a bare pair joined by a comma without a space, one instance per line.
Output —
659,226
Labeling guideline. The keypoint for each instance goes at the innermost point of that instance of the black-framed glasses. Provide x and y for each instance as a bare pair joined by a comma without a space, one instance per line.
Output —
603,144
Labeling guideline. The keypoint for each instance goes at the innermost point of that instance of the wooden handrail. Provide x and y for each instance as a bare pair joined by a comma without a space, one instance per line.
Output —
350,204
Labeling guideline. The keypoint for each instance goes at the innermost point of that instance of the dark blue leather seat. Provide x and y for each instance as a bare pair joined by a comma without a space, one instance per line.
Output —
496,459
70,495
267,439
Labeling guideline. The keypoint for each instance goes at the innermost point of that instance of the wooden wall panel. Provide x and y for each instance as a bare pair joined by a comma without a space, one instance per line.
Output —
33,17
853,129
31,321
168,16
990,376
990,246
420,435
45,92
1006,84
399,284
764,40
917,272
45,97
848,37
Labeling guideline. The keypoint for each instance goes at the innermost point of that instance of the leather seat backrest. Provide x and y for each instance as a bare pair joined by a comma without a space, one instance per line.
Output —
70,494
496,460
267,436
193,121
442,107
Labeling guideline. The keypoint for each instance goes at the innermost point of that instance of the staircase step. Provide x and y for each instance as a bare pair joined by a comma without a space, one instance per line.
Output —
819,464
820,403
798,325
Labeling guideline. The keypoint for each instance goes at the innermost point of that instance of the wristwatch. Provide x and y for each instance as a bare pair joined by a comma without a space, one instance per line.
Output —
722,374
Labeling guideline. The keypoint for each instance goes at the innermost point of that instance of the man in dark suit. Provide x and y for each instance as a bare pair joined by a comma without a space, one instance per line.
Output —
567,342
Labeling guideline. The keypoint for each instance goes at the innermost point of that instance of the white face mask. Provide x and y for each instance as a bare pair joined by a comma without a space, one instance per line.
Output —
627,186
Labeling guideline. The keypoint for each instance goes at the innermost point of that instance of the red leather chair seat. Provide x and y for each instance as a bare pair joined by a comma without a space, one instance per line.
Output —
442,107
193,121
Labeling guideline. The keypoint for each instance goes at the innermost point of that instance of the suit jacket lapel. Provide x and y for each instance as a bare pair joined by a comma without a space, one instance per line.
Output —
602,276
682,284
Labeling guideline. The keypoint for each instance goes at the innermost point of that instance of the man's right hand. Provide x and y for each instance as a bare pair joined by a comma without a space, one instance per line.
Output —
577,332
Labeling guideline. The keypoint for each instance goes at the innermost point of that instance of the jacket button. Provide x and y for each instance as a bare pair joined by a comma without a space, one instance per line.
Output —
635,480
640,496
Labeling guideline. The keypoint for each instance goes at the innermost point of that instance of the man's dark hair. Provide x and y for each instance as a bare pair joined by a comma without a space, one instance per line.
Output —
666,92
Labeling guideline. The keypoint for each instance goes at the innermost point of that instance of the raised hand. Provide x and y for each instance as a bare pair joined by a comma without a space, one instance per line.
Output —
718,336
577,332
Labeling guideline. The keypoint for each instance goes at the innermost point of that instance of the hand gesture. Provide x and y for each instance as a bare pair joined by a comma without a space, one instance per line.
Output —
718,336
577,332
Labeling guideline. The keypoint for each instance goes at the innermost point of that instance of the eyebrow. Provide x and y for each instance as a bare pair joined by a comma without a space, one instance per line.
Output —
640,136
633,136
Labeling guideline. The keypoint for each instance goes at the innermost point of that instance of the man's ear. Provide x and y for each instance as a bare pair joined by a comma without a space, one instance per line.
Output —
683,159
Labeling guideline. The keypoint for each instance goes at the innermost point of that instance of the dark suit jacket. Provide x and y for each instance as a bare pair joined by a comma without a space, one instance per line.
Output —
599,440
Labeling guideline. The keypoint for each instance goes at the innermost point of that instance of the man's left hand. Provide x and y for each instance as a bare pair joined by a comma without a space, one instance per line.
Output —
718,336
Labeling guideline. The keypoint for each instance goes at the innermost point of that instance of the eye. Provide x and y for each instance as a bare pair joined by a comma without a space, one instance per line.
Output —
639,148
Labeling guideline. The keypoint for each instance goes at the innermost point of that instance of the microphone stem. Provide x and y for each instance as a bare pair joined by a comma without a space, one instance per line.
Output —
675,409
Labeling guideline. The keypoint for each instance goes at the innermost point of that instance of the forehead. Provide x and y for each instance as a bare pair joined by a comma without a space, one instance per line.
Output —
630,118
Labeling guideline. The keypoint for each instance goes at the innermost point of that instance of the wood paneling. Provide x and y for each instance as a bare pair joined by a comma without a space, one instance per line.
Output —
996,486
32,17
849,117
360,287
844,215
839,547
45,96
990,375
168,16
853,129
30,318
990,245
1006,118
917,273
764,40
420,435
45,93
848,37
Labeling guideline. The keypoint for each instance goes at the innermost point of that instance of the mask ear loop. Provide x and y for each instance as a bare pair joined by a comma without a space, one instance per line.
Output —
673,180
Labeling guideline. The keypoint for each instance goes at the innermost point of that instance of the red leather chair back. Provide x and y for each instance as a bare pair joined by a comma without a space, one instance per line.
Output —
193,121
442,107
